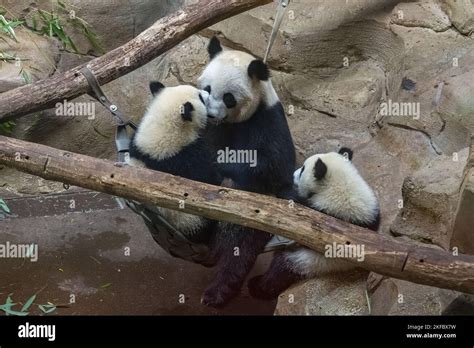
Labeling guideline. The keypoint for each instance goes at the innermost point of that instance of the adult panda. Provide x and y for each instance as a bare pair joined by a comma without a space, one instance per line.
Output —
169,139
331,184
246,115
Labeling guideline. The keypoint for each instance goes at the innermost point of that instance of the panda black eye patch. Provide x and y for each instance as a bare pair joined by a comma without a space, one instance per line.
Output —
202,100
302,170
229,100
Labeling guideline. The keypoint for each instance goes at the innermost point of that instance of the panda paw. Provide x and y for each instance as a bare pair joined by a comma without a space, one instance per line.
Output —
257,289
218,295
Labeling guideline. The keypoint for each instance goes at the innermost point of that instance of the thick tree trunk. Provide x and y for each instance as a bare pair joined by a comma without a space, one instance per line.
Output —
383,254
159,38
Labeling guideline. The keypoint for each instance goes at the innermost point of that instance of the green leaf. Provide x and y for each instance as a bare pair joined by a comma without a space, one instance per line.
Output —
50,310
6,26
106,285
15,24
8,305
71,43
59,33
34,22
11,312
25,76
6,127
10,301
47,308
5,207
28,303
43,14
7,308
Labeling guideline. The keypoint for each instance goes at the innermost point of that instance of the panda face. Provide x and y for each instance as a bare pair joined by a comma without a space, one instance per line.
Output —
180,107
236,83
323,171
175,118
311,178
330,182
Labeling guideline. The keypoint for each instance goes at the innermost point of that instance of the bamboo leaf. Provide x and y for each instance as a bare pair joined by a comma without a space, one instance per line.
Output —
4,206
28,303
12,312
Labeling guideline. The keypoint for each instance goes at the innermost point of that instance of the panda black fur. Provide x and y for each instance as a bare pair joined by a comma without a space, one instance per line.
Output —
247,115
169,139
329,183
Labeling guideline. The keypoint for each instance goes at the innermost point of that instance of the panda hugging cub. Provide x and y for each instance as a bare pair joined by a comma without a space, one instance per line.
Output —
331,184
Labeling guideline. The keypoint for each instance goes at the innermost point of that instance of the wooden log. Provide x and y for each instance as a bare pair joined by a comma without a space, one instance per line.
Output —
315,230
159,38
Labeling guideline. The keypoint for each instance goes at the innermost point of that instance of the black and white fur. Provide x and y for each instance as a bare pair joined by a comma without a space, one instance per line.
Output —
169,139
246,115
331,184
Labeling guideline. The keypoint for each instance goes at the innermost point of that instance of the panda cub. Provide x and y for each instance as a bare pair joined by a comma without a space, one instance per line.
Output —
169,140
331,184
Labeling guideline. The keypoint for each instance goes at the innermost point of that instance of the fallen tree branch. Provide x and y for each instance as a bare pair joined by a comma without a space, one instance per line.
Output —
383,254
159,38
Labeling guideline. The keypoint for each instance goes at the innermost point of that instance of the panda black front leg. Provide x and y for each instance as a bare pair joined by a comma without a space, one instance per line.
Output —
276,279
237,248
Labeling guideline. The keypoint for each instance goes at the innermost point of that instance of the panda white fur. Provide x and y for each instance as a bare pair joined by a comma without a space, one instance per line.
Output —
245,114
331,184
169,139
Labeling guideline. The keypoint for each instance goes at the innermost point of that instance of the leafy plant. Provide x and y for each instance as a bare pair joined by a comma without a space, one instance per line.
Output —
26,308
25,75
8,26
6,57
52,26
4,206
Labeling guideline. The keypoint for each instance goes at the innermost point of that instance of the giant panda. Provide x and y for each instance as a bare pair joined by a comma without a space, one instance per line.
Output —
331,184
169,139
245,114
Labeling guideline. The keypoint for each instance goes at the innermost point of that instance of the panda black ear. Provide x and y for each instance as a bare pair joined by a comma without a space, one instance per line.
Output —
186,111
156,87
320,169
214,47
258,69
346,152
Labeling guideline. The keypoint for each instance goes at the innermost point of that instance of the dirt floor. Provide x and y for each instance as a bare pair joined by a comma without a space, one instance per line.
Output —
103,255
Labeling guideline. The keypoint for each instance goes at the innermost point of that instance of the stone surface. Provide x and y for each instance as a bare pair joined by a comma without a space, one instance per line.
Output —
430,201
415,299
37,57
461,13
463,234
425,14
437,58
383,292
342,294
